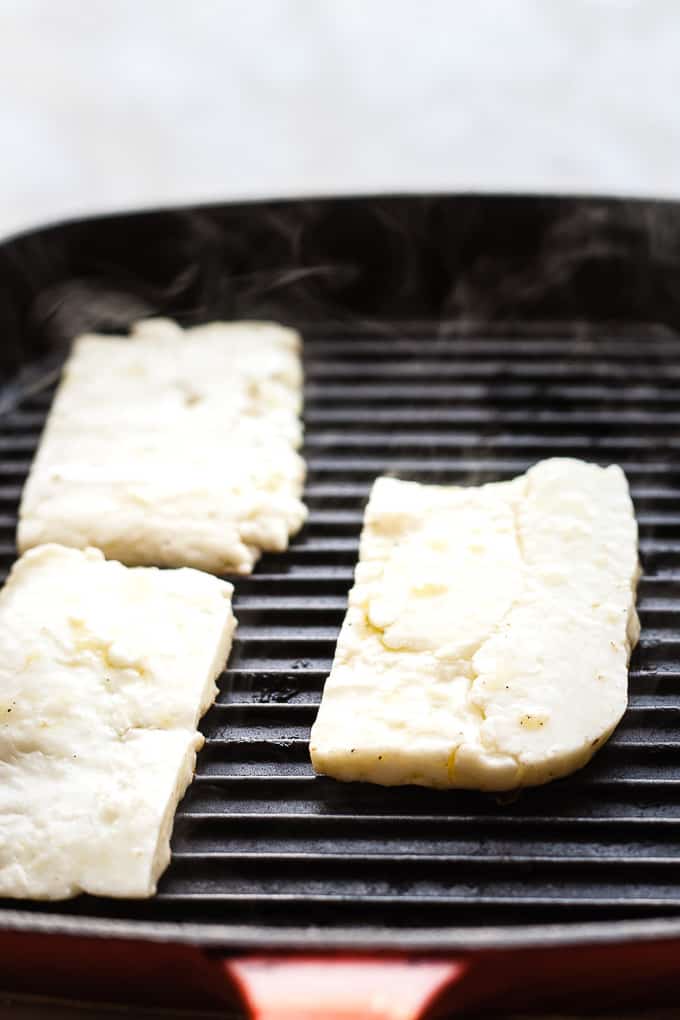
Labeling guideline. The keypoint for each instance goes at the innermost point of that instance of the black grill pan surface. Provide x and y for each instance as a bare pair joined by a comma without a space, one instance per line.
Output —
263,849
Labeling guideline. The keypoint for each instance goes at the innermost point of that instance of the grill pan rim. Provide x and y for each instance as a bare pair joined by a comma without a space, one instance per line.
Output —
273,200
368,937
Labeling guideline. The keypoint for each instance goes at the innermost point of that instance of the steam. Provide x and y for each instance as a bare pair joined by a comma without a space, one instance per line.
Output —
462,262
373,266
577,261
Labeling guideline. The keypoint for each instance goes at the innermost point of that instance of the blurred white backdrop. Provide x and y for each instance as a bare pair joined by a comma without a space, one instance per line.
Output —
107,104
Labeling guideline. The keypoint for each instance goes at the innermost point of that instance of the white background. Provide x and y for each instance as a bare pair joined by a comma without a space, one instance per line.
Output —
109,104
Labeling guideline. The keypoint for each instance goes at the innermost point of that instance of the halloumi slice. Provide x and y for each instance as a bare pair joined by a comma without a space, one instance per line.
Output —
488,633
104,673
173,447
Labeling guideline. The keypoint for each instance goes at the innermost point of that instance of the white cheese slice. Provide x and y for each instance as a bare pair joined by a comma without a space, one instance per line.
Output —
104,674
173,447
488,633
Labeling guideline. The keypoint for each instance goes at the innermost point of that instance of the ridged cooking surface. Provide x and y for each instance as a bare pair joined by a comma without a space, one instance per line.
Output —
258,839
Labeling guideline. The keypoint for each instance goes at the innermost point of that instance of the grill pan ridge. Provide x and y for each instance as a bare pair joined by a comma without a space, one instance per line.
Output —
260,845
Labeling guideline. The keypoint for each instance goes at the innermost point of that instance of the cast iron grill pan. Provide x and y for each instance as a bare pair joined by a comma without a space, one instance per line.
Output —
258,840
525,345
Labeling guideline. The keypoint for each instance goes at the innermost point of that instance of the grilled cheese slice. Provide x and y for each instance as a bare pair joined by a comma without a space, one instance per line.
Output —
488,633
104,674
173,447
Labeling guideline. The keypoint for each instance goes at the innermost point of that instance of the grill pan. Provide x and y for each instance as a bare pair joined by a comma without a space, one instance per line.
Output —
447,339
